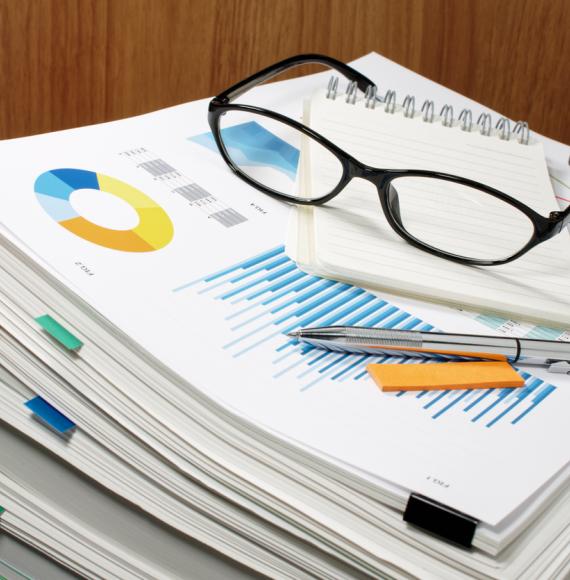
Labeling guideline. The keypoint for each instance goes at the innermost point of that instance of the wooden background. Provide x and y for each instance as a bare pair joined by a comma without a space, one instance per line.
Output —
65,63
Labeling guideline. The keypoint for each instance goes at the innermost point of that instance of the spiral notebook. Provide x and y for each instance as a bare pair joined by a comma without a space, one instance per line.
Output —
349,238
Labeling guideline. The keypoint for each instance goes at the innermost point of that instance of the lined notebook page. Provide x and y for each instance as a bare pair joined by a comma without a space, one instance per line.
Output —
353,241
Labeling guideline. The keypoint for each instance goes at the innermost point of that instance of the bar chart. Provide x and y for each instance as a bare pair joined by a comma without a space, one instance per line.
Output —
267,296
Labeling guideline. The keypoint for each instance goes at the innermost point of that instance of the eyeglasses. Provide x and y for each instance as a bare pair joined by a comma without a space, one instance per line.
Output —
260,146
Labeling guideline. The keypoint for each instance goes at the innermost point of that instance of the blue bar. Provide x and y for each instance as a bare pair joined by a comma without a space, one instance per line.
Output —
328,354
300,298
505,412
350,308
287,369
365,313
257,281
287,345
364,372
544,393
322,311
301,286
529,388
490,320
281,284
49,414
246,263
388,312
286,356
436,399
247,321
411,324
473,403
318,358
269,266
400,318
339,315
544,333
335,290
538,399
503,393
307,348
287,291
523,374
277,286
447,407
309,294
335,362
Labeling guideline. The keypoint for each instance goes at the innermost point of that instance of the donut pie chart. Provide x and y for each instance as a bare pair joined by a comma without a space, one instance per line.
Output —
153,232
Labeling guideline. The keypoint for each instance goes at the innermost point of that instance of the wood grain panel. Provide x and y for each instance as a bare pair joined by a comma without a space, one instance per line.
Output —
65,63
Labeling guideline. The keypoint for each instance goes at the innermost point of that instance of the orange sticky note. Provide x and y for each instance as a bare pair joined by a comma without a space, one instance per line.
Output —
448,375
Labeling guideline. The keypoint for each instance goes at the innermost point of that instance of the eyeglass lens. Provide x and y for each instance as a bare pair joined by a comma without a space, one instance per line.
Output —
275,154
447,216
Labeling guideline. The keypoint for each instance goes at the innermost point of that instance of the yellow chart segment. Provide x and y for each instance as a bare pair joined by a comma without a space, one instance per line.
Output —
153,232
155,227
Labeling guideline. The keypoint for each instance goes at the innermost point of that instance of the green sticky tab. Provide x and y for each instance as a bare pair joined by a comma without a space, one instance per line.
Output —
60,334
2,510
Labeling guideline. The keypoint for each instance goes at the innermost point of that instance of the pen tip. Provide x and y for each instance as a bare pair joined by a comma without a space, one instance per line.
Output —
294,334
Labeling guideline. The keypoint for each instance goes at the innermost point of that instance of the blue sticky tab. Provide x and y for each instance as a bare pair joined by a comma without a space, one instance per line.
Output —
49,414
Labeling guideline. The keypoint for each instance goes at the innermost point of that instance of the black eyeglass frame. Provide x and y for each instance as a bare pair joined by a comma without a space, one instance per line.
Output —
544,227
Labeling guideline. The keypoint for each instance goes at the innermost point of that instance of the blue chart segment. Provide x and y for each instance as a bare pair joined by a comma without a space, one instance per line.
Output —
251,144
267,296
539,332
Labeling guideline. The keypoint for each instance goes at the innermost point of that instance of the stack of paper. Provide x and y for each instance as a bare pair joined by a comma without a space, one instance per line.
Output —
168,295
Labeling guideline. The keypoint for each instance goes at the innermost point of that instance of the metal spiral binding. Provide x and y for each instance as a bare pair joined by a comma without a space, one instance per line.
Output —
522,128
409,106
484,124
428,110
504,127
351,91
370,97
390,101
332,88
466,120
446,115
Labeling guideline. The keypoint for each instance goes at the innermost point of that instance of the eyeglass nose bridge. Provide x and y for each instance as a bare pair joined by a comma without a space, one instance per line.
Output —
372,174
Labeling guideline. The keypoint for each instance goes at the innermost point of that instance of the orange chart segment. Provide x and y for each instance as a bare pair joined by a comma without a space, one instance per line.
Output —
54,188
126,240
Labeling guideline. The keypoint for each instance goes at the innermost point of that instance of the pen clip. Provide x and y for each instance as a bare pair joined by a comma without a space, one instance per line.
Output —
559,366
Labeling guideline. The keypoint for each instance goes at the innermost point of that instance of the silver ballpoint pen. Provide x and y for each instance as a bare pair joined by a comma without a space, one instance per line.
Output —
441,345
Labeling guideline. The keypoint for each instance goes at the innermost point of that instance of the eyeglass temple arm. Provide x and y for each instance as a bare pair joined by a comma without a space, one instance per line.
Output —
239,88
